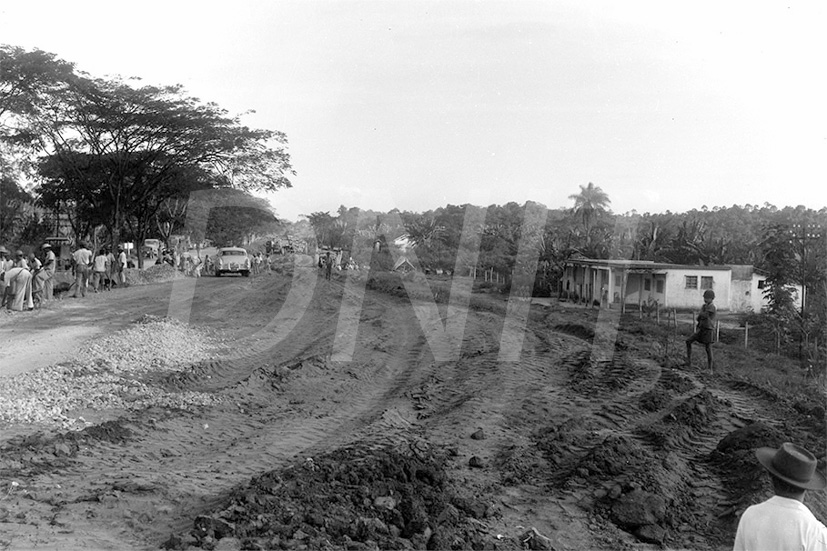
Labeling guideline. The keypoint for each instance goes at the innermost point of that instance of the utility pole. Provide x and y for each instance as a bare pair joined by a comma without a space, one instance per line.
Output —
800,235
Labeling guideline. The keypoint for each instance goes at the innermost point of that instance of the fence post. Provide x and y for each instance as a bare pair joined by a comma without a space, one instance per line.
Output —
717,330
746,335
657,314
675,317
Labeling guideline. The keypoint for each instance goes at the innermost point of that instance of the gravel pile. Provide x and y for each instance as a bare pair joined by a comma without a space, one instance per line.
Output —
106,373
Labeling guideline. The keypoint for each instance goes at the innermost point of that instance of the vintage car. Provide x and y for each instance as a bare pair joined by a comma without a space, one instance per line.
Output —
232,260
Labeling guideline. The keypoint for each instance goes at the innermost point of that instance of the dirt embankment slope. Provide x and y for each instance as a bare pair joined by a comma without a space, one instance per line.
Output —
265,439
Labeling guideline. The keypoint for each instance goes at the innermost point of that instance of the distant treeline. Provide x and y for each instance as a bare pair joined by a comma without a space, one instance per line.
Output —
748,234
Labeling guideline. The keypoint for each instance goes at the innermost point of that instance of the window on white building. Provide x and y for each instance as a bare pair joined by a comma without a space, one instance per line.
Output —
647,284
659,286
706,282
691,282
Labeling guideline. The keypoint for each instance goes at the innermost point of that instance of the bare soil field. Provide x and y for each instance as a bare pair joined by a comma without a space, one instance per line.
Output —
218,413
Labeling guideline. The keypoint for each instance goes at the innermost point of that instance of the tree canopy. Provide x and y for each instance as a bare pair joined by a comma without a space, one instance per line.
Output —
110,153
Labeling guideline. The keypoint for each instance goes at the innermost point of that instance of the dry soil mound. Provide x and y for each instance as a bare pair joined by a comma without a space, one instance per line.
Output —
352,498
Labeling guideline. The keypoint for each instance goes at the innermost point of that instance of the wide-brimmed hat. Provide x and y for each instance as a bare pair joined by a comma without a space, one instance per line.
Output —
792,464
18,253
4,250
46,246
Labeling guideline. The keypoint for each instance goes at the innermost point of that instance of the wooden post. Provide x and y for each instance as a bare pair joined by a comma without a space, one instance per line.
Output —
623,293
657,313
593,283
675,317
640,296
717,330
746,335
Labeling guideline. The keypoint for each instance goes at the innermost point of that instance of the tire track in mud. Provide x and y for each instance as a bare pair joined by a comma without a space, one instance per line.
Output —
590,403
677,435
261,424
510,402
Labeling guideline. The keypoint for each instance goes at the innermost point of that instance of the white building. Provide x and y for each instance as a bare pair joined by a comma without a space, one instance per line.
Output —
738,288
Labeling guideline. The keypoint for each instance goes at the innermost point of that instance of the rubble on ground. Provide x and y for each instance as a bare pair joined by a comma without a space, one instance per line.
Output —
108,373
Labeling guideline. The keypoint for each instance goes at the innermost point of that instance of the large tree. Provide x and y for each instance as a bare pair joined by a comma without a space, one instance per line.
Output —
322,224
28,82
590,203
235,217
12,212
132,147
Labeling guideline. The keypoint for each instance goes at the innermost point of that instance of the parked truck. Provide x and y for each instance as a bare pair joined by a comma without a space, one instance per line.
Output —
151,248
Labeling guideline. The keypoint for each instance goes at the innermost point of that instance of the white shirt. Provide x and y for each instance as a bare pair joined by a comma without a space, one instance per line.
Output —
100,263
779,524
82,257
51,262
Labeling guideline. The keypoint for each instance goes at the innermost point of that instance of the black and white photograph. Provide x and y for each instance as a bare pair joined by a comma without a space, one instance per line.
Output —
370,275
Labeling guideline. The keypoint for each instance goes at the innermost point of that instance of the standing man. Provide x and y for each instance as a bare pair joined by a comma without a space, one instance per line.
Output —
121,266
328,266
49,267
20,260
783,522
100,265
38,277
705,332
111,268
5,266
81,261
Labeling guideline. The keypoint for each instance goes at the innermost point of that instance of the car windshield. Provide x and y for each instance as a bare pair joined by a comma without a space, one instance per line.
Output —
234,253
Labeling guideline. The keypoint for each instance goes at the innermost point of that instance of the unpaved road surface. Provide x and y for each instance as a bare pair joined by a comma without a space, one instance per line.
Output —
564,448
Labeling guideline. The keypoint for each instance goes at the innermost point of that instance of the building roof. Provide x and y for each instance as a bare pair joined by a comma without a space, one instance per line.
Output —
644,265
403,262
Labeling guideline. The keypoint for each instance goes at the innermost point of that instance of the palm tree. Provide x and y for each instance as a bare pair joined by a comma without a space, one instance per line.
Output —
590,202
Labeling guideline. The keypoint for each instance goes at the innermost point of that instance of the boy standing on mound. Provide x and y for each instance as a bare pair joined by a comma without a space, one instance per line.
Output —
704,333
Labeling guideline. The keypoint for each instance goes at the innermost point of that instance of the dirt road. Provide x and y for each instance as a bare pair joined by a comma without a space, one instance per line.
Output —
563,448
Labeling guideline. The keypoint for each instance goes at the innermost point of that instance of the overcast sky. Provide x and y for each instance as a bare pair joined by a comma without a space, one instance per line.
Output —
414,105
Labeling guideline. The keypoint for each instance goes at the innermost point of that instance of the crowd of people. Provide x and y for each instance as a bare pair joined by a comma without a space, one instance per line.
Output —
100,271
26,281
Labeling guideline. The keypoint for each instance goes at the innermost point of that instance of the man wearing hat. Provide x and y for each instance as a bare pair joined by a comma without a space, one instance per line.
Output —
783,521
49,267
